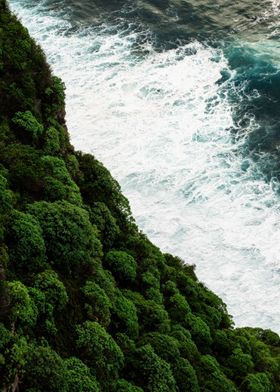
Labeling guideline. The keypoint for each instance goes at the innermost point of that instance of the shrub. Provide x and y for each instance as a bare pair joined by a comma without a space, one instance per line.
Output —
52,142
178,308
240,363
151,284
152,316
99,350
54,290
212,378
27,122
200,331
187,346
69,236
97,184
58,183
151,372
23,309
122,265
54,96
106,281
125,386
6,196
26,244
97,304
269,337
5,338
25,170
45,370
78,377
101,216
125,316
185,375
258,382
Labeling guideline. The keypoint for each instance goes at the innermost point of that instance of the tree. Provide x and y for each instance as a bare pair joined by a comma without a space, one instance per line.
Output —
29,124
122,265
48,282
45,370
69,236
97,303
178,308
258,382
101,216
211,376
78,377
99,351
199,330
125,386
23,313
151,315
151,372
124,317
185,375
6,196
58,182
26,244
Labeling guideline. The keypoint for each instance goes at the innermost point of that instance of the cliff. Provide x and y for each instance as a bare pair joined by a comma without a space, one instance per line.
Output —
87,302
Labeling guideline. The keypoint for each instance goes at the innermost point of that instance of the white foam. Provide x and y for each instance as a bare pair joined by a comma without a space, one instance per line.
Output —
159,124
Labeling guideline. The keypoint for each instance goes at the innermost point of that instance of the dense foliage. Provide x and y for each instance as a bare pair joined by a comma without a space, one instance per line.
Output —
87,303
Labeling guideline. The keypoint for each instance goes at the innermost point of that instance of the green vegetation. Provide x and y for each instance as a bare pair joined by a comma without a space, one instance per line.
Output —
87,302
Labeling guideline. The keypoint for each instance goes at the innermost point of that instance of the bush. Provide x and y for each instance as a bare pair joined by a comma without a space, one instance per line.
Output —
23,310
28,123
97,304
97,184
151,372
185,375
6,196
187,346
5,338
78,377
269,337
52,142
151,284
122,265
166,347
58,183
151,315
54,96
200,331
26,244
258,382
54,290
106,281
25,170
69,237
241,364
178,308
101,216
212,378
125,386
45,370
99,351
125,316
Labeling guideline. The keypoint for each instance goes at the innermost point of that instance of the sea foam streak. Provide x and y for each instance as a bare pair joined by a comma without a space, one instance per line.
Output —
160,124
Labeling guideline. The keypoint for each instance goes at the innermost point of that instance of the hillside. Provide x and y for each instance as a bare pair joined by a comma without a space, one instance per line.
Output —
87,302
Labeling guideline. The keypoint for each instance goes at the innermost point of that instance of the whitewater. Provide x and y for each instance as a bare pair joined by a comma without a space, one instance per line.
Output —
160,121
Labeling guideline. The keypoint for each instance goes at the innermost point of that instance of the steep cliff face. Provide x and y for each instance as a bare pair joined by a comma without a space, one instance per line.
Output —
87,302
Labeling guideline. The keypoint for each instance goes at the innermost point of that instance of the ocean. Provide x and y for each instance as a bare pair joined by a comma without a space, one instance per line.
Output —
180,100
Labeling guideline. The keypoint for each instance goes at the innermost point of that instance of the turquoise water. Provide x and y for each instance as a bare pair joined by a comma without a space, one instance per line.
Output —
180,100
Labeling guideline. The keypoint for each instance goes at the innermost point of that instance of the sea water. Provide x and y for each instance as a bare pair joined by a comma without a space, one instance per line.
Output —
180,100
